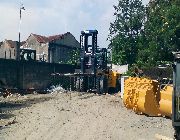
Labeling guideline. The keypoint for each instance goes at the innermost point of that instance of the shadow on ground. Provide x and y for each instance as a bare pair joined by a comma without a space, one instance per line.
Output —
7,107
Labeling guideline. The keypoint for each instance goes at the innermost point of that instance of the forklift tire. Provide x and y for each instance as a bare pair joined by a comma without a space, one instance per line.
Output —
177,133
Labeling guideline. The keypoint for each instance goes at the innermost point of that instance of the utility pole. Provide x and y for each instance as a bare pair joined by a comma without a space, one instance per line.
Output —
20,21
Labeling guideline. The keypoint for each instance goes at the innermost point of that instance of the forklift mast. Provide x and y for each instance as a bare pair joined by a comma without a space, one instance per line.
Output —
88,52
102,58
91,57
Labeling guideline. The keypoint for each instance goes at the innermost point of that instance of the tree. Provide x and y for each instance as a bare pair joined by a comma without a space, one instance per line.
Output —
126,31
74,56
161,28
143,35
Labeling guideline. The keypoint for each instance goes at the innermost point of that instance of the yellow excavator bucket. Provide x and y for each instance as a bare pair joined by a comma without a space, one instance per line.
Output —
129,92
165,104
142,96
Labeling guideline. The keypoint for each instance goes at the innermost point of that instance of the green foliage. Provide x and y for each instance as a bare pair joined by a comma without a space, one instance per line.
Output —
126,30
145,36
74,57
163,20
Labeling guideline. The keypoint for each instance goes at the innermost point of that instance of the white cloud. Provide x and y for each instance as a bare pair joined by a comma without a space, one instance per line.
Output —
8,21
55,17
9,26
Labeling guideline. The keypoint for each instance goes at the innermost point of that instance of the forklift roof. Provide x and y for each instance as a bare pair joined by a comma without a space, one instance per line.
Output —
89,32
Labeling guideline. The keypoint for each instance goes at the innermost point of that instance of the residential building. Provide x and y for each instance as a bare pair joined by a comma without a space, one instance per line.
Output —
8,49
53,49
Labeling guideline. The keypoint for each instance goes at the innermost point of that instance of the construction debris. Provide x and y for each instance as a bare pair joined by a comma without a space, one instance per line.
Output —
9,123
56,89
6,93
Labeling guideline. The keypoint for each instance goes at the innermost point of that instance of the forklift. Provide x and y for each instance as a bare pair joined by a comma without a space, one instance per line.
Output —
94,74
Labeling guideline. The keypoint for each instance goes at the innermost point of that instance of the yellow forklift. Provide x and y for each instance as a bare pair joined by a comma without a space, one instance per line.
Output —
94,74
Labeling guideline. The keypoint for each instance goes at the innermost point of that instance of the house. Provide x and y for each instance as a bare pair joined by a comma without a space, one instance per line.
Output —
8,49
52,49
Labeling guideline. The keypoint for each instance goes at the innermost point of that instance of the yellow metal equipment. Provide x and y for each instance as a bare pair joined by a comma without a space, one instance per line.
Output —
129,92
141,95
113,76
144,96
165,104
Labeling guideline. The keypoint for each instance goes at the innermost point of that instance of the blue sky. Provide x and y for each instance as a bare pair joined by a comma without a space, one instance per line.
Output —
51,17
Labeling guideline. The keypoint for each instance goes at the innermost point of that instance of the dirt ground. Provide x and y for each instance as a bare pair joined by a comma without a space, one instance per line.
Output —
75,116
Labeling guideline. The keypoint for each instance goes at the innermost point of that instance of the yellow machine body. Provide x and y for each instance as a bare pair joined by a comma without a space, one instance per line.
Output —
140,94
144,96
165,104
112,79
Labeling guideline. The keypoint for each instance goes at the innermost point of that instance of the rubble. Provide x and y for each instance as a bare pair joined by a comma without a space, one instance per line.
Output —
6,93
56,89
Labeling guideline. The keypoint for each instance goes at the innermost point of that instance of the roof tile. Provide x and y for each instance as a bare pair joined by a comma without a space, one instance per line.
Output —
11,43
44,39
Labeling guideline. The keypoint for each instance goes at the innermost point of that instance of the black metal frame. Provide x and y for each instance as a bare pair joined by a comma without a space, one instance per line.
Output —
93,60
88,57
28,53
176,92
